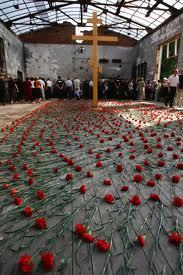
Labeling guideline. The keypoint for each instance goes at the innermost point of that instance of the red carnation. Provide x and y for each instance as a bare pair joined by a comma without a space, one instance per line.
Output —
90,152
120,154
132,157
179,166
175,238
78,168
97,155
47,260
88,238
150,183
158,146
160,155
55,170
83,189
89,174
169,148
141,240
102,140
108,150
25,263
107,182
69,177
41,195
70,162
31,181
138,168
118,146
99,164
135,200
13,167
41,223
161,163
29,172
146,162
149,150
154,197
5,186
13,192
27,211
17,201
158,176
80,229
175,156
119,168
15,176
109,198
102,245
177,201
124,188
81,145
175,179
137,178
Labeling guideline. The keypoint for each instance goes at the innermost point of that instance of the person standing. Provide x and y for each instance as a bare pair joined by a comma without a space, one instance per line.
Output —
164,91
85,89
141,89
12,90
173,83
59,85
77,85
90,89
42,88
179,97
37,90
49,88
2,90
68,86
28,89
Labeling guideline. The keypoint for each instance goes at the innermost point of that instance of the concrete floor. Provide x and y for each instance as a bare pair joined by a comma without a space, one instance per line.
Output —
11,112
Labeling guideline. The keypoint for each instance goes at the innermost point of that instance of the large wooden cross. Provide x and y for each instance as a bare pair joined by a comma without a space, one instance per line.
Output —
95,38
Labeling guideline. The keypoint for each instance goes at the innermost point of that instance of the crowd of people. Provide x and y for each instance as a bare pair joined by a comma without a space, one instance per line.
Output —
37,89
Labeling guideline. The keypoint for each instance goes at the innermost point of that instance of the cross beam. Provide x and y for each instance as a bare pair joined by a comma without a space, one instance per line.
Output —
95,38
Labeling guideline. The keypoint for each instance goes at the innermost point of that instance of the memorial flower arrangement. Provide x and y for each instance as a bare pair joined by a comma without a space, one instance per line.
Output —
106,183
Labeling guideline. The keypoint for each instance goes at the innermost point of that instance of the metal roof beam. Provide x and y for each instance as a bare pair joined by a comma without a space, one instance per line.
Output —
120,16
38,12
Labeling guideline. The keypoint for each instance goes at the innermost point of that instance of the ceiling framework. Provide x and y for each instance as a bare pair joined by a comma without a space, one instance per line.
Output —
129,17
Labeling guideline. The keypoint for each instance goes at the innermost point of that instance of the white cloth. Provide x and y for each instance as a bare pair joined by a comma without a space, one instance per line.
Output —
49,84
68,83
77,84
173,80
42,83
91,83
32,84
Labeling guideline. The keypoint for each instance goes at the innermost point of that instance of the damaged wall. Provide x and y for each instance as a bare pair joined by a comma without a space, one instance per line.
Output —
13,51
65,60
146,49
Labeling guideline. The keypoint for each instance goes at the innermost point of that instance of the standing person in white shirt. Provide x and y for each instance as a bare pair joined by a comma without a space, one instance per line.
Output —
91,89
68,86
42,84
49,88
77,84
173,84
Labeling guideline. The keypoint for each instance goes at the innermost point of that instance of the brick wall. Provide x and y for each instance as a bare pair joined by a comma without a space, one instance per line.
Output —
59,34
62,34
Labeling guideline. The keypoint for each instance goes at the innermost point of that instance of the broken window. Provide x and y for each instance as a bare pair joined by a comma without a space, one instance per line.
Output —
168,57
